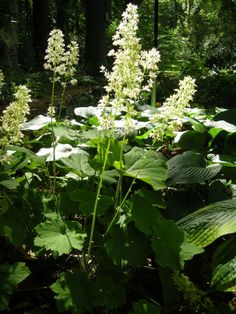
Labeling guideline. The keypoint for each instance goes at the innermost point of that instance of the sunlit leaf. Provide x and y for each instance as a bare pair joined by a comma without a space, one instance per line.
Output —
60,236
79,164
61,150
146,166
209,223
36,123
224,267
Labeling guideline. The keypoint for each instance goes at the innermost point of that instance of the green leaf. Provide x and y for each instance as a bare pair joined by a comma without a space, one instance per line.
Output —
73,292
10,277
145,307
190,167
18,221
226,115
79,164
143,213
192,140
224,267
207,224
127,246
171,246
59,236
87,200
149,167
197,126
8,182
109,292
224,160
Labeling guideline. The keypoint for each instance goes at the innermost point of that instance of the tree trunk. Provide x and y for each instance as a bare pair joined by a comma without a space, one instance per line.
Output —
95,46
62,12
40,30
9,34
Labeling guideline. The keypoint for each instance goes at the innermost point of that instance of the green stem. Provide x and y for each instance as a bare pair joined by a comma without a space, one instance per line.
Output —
128,191
61,102
53,136
98,197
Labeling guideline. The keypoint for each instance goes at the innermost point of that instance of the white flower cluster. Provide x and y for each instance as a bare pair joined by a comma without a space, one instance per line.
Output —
133,70
59,60
13,116
171,114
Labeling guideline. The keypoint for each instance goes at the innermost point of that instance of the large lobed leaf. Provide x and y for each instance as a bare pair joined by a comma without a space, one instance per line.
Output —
209,223
149,167
60,236
170,245
74,292
127,246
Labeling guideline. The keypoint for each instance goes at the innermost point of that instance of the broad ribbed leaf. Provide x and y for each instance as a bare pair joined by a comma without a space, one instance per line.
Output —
146,166
224,267
190,168
10,277
209,223
59,236
224,277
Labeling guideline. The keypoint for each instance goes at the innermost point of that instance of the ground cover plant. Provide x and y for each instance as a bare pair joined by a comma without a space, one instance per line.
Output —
125,207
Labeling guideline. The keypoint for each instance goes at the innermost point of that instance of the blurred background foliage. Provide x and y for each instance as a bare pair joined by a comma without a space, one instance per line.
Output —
195,37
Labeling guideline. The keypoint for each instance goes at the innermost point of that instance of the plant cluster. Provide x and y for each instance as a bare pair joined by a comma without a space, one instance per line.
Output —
97,211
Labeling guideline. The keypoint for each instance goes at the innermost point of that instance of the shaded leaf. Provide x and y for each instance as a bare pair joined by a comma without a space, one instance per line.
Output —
87,200
109,292
73,292
10,277
171,246
127,246
190,167
145,307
